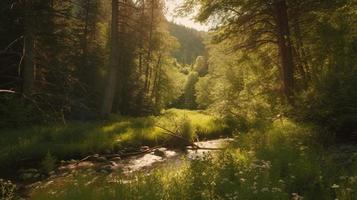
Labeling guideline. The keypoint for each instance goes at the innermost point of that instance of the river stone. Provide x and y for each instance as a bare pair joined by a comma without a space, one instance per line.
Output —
106,169
107,151
73,161
26,176
101,159
159,152
31,170
144,148
116,159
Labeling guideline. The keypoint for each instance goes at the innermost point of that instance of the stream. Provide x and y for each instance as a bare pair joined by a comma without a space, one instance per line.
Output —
108,166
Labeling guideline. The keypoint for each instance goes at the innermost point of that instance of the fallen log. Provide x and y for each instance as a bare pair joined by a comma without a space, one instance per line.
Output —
173,134
192,144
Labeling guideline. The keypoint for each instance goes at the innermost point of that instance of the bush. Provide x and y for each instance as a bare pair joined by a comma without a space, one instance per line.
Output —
48,163
331,99
16,112
185,129
281,162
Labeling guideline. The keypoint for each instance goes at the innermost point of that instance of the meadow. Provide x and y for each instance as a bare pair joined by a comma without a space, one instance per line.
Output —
284,161
26,147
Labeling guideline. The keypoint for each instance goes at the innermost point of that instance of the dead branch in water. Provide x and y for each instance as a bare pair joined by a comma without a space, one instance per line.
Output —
193,145
173,134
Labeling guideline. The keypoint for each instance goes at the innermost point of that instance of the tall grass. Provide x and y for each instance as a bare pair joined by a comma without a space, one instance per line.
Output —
282,162
21,147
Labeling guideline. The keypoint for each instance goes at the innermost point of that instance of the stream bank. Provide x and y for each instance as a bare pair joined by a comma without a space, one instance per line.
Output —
108,167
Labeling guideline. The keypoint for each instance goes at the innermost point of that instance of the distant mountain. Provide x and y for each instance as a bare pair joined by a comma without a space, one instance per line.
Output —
191,42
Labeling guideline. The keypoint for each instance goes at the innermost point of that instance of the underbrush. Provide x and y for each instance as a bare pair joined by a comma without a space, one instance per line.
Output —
22,147
283,162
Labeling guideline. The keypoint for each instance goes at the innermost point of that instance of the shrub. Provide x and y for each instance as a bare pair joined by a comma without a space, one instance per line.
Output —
48,163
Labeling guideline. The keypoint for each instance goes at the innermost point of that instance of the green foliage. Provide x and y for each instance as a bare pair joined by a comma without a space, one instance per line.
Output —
77,140
201,66
17,111
204,92
48,163
185,129
191,43
330,101
281,162
189,90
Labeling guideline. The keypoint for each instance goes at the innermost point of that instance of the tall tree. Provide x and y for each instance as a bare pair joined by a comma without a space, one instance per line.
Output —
252,25
114,62
285,48
28,74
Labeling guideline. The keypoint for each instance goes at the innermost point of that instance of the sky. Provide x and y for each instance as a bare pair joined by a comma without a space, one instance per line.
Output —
186,21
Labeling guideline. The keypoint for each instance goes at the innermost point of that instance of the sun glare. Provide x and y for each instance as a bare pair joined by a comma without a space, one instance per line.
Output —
187,21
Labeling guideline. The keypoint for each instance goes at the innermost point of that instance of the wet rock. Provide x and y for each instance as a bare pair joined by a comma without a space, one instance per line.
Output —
29,174
113,155
144,148
26,176
107,151
105,169
116,159
101,159
72,161
159,152
35,185
97,158
130,149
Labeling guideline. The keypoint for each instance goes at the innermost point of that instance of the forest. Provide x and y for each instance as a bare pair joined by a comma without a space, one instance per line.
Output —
178,99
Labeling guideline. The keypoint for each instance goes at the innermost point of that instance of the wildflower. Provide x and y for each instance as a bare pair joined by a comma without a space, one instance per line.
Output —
349,189
335,186
242,180
281,181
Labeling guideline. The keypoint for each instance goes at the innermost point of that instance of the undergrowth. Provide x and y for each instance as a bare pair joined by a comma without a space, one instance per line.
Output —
22,147
284,161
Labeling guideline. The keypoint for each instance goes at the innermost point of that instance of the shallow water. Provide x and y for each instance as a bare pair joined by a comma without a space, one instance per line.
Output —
107,167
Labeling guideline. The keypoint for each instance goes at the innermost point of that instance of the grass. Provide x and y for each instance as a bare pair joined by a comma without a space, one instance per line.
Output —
284,161
28,145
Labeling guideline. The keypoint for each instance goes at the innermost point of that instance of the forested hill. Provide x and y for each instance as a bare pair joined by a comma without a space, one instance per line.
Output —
191,43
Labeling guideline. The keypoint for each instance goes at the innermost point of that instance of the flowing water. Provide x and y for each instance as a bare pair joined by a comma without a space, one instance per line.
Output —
107,166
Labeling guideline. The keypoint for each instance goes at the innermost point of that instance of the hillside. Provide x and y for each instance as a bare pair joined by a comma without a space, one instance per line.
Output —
191,43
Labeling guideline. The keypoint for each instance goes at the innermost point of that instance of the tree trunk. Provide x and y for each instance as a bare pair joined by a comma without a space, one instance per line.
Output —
29,60
285,49
156,78
114,63
148,67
